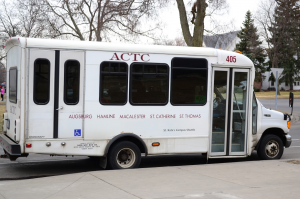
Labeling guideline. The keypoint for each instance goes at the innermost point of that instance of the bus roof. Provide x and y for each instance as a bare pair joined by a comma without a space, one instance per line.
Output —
114,47
121,47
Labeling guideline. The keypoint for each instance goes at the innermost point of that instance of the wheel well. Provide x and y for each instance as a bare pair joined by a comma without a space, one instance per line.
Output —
139,142
273,131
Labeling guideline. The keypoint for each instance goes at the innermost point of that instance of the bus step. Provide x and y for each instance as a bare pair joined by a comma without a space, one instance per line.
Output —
220,147
218,137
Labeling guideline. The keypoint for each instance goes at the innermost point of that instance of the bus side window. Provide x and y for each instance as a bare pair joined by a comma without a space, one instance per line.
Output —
41,85
113,83
71,82
189,81
149,84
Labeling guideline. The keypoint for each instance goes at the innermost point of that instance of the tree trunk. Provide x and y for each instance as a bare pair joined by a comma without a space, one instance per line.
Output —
199,24
197,38
184,23
98,32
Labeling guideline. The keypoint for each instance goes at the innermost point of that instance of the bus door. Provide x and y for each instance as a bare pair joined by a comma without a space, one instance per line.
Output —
230,91
55,94
40,97
68,113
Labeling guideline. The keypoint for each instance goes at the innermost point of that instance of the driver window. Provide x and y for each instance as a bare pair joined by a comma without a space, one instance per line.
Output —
254,115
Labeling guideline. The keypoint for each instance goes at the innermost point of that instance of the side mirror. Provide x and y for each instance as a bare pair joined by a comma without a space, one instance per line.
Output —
291,100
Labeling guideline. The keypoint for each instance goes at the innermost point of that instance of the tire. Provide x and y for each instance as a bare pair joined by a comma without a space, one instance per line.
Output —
124,155
270,148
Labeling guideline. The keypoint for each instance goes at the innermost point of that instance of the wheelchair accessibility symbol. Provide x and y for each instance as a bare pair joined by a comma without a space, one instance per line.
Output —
77,132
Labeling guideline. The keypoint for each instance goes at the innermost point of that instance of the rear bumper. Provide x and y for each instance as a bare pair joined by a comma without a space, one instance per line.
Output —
12,148
288,141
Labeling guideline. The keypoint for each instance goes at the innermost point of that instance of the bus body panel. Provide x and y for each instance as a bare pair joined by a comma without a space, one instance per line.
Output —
85,127
72,147
164,124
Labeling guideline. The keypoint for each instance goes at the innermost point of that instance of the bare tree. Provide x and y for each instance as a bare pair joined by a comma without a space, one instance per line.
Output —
32,18
178,41
200,9
2,73
264,18
99,19
9,25
2,42
23,18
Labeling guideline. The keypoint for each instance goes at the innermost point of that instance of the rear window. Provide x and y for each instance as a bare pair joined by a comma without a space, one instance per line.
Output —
41,89
13,74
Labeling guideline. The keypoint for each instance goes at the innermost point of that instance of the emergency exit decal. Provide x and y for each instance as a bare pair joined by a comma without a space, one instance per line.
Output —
77,132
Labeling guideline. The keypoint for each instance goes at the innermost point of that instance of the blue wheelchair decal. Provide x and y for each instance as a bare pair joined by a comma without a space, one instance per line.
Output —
77,132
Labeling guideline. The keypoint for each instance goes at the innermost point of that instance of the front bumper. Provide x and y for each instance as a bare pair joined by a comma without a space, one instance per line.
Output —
10,147
288,141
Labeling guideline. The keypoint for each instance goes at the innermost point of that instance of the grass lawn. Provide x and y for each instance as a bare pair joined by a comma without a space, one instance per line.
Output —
3,103
272,94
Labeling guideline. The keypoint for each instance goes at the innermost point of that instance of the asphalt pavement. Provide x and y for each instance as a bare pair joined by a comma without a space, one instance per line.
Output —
37,165
249,179
160,177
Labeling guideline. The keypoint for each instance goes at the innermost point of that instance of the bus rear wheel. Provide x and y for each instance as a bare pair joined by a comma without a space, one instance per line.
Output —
271,147
124,155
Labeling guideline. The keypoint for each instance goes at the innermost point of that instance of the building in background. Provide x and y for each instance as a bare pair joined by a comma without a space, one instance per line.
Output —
226,41
270,85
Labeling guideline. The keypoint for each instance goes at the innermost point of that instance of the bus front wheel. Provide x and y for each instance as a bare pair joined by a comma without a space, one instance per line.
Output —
271,147
124,155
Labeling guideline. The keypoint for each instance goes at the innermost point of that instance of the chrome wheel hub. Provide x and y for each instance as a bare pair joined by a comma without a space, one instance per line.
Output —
125,158
272,149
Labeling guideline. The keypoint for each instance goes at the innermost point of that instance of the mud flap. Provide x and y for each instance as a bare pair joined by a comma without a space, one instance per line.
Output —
103,162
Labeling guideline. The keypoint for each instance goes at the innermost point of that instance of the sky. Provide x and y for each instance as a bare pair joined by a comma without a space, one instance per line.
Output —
237,11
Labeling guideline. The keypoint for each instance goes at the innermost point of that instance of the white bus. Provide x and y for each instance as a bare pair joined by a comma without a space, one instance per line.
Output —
118,101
